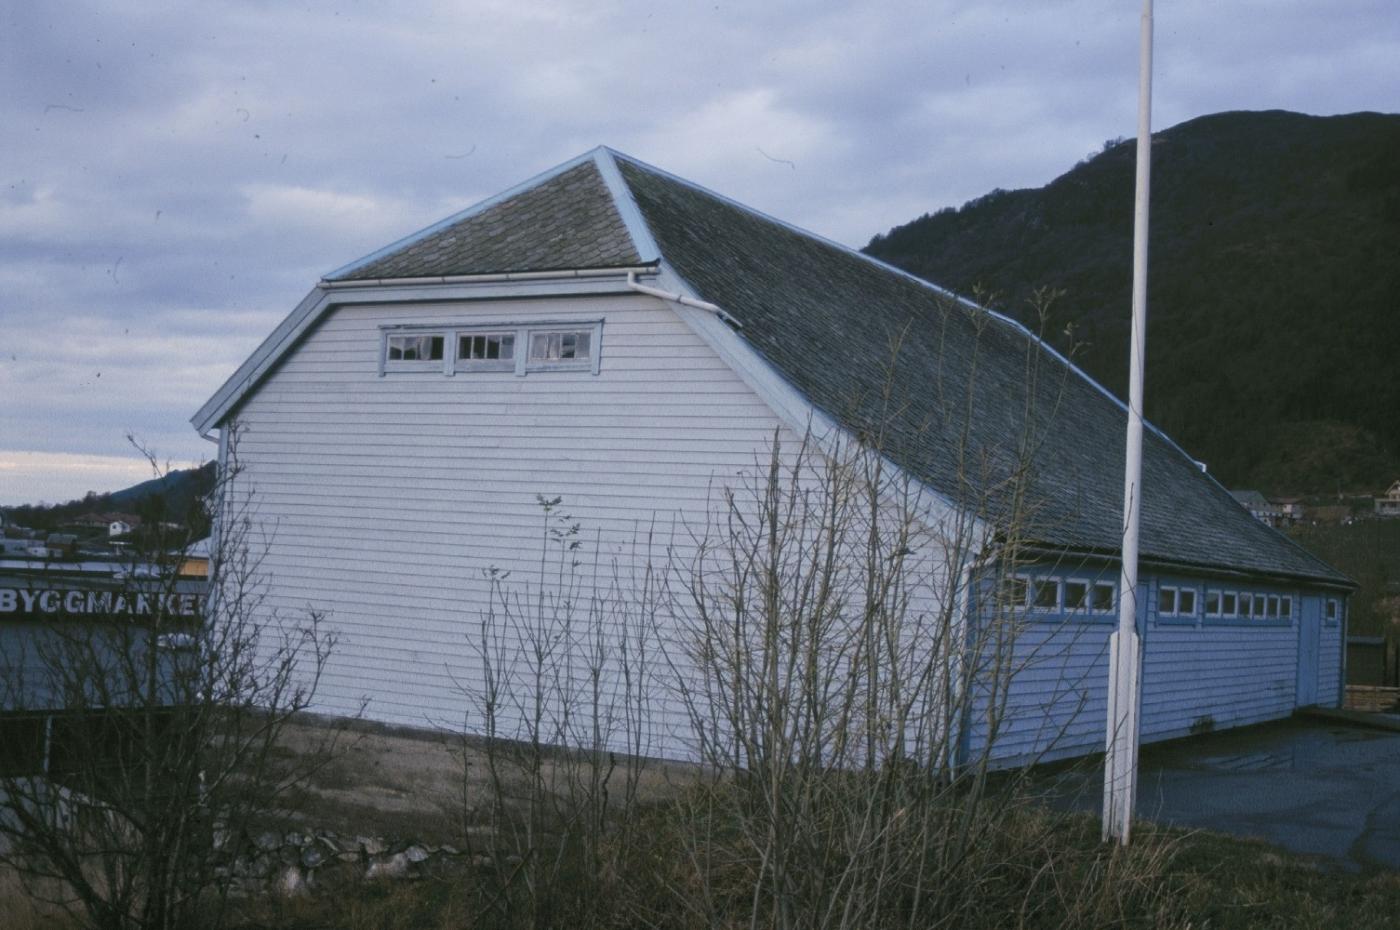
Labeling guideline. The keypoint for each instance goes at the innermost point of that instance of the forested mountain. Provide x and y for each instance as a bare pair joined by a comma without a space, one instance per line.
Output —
1274,287
176,496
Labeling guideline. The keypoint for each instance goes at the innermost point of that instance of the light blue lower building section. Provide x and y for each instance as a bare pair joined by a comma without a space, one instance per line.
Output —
1216,654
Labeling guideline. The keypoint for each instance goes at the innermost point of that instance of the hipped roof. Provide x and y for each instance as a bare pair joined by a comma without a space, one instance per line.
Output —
956,395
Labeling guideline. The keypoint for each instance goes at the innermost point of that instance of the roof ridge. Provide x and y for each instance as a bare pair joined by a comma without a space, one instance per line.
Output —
475,209
793,227
605,159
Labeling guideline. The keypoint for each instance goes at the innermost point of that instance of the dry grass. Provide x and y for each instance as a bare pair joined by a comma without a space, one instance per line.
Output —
1234,884
413,784
1051,872
19,911
1036,869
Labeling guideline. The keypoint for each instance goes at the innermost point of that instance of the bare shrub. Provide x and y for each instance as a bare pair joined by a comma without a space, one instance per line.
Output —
161,726
561,705
843,644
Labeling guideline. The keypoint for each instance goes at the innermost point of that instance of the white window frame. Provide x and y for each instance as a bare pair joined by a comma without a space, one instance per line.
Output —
443,364
1024,582
1261,604
1034,590
452,334
1285,607
1234,613
1175,592
1195,602
467,365
1219,610
595,335
1088,595
1112,597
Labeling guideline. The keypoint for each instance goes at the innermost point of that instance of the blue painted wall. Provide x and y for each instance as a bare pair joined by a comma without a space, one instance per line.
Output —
1200,672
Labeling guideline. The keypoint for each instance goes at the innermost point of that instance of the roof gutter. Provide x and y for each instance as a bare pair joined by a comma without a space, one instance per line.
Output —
1338,582
560,274
583,281
676,297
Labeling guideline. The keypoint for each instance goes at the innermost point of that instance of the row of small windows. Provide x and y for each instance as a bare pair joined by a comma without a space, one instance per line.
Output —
1075,595
1062,595
549,349
1174,601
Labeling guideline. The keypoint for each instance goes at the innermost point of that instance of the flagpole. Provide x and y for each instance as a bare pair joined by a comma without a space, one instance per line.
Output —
1125,653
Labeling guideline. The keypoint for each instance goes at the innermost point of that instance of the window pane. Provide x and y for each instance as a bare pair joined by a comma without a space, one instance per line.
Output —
1076,595
1331,610
1166,601
486,347
562,346
1047,593
1273,605
1286,606
423,348
1186,602
1103,596
544,347
1229,604
1016,590
1212,603
1259,605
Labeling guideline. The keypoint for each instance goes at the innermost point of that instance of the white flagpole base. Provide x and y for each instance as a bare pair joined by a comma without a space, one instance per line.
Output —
1120,761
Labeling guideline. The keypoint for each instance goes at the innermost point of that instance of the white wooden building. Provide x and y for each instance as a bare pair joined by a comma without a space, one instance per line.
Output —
627,342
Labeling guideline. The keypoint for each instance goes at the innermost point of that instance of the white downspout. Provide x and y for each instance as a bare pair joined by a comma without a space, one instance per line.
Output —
676,297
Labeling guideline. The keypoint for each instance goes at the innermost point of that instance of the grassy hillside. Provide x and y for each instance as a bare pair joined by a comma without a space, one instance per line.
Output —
1274,286
1368,551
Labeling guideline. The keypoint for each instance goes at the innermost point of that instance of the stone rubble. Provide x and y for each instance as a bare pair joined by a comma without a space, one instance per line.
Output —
294,863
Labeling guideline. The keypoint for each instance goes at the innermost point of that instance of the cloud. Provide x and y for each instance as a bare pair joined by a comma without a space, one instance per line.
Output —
176,178
31,477
297,209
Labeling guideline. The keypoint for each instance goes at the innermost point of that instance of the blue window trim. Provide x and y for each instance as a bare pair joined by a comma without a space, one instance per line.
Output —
1274,623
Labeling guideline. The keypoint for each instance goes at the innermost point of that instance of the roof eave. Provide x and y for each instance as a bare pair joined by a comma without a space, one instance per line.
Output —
1206,569
327,295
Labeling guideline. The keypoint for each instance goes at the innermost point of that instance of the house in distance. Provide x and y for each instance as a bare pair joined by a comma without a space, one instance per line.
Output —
629,343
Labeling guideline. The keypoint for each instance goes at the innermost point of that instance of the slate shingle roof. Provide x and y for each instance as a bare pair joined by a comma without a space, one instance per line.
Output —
952,389
567,221
965,387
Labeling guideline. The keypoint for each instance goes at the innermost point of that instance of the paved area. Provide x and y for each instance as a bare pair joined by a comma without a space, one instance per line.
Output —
1313,787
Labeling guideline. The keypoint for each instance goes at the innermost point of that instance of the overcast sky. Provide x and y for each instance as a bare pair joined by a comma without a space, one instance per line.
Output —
177,176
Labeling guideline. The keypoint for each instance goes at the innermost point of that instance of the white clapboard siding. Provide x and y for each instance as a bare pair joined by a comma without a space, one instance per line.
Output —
406,506
386,501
